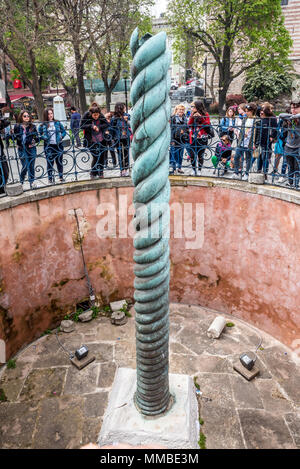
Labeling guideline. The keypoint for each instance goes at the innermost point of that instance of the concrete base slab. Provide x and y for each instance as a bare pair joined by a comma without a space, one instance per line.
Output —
248,374
176,429
83,362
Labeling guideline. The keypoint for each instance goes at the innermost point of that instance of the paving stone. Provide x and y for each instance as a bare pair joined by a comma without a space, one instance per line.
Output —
91,430
273,399
284,370
125,353
245,393
102,352
106,332
197,341
95,404
17,423
216,387
176,347
12,380
214,364
184,364
221,427
264,430
107,374
40,384
293,423
64,429
83,381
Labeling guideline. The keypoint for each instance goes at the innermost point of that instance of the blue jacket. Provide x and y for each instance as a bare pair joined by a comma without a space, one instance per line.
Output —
59,131
31,135
121,126
75,120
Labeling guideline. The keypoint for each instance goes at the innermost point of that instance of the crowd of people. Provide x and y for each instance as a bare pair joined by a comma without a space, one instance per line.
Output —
248,133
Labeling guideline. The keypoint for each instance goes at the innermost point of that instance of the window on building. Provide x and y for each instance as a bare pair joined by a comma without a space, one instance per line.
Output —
284,2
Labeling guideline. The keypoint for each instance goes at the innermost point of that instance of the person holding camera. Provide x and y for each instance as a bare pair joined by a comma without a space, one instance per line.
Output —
179,138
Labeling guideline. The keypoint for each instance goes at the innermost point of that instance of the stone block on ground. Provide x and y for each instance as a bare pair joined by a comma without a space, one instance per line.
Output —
177,428
86,316
256,178
2,351
118,318
117,305
14,189
67,326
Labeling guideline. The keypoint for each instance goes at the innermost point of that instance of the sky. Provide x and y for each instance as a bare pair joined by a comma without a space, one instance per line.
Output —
159,7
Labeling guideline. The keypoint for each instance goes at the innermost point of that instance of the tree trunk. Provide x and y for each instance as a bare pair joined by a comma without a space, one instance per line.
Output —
80,79
107,98
35,87
7,97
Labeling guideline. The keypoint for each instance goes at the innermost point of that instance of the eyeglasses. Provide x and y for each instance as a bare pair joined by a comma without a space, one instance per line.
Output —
25,115
193,106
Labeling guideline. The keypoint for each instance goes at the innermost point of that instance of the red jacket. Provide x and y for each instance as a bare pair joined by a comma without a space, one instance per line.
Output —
198,126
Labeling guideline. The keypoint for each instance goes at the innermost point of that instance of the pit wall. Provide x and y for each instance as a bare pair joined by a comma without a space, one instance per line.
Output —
246,263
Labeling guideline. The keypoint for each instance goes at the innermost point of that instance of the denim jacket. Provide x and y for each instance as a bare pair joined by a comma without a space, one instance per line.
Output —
59,131
122,127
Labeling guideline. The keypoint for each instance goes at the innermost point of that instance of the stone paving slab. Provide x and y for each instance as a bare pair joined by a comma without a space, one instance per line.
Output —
46,402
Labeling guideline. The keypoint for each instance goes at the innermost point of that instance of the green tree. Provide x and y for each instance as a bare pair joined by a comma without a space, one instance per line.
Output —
264,84
26,40
112,54
236,34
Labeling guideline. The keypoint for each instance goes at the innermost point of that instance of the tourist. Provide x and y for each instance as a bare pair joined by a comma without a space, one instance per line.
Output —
120,125
4,169
292,146
179,138
267,135
279,150
75,125
94,125
110,140
227,124
199,123
222,155
246,142
26,135
52,132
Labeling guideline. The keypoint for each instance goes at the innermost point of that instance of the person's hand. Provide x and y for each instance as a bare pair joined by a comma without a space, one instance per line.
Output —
126,118
96,128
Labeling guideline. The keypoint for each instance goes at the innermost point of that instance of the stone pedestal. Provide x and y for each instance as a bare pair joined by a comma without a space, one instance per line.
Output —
256,178
14,189
178,428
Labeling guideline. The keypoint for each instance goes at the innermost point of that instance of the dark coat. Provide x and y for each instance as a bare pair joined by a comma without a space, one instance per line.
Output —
87,123
4,169
31,135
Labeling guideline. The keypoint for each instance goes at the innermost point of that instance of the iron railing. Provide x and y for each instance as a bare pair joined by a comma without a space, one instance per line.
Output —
195,150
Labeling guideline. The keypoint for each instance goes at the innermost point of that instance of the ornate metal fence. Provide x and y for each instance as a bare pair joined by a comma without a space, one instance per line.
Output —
195,150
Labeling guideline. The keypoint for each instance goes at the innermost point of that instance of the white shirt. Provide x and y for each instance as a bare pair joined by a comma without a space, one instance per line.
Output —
51,130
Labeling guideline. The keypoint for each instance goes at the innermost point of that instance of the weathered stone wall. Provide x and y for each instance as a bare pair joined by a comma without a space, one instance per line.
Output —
248,264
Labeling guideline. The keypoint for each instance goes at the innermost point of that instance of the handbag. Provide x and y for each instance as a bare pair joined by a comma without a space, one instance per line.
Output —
256,152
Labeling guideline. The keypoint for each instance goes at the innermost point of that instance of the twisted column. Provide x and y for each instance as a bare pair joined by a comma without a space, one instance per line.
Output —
150,150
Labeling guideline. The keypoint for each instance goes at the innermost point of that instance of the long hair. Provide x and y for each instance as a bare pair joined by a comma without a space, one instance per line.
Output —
119,109
230,109
20,118
46,114
200,108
